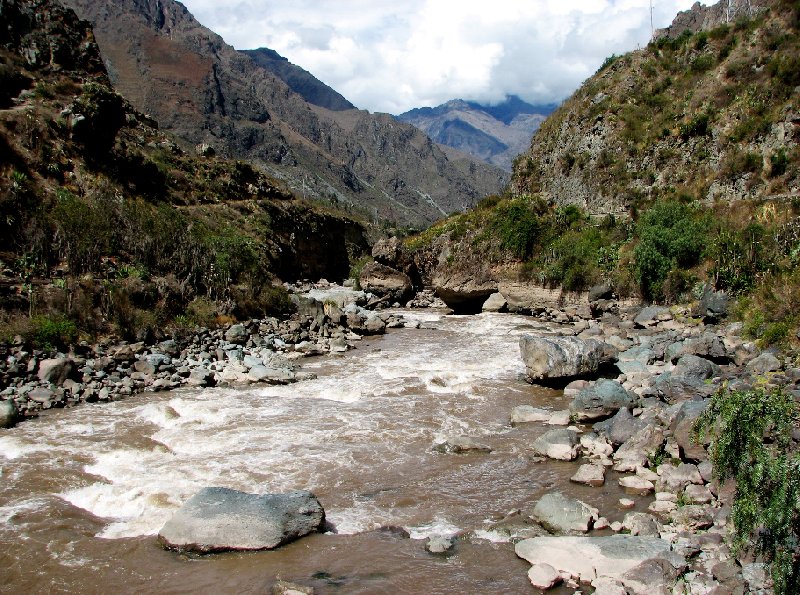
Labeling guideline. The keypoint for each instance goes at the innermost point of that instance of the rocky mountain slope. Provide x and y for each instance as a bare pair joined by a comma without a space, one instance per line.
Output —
495,134
108,224
711,114
672,171
168,65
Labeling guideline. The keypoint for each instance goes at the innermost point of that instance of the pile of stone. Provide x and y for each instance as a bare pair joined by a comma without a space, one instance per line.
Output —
255,351
638,421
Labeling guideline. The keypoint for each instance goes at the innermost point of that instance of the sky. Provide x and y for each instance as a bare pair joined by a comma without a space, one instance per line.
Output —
395,55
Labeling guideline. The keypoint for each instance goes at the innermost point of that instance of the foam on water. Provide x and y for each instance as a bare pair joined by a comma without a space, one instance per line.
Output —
437,526
153,452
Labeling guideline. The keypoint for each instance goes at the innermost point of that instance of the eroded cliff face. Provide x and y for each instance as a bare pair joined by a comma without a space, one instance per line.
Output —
203,90
712,116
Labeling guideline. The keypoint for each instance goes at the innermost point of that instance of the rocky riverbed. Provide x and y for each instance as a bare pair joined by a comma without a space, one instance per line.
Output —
431,433
330,319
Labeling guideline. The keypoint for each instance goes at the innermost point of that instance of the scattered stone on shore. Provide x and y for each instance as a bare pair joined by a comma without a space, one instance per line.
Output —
561,444
221,519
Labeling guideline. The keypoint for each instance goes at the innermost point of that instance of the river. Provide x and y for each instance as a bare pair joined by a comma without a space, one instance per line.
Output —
84,491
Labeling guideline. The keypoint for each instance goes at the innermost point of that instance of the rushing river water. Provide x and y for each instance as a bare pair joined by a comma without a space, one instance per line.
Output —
83,492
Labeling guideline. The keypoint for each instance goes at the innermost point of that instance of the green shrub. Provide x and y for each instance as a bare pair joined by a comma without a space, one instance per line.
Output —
699,126
671,235
355,270
702,63
517,224
778,162
752,443
52,332
740,162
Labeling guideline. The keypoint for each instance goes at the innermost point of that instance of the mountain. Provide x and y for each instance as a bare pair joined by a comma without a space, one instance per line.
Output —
107,222
205,92
710,112
492,133
674,168
299,80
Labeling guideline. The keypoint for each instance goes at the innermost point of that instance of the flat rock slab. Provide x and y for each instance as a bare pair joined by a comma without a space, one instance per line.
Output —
588,558
221,519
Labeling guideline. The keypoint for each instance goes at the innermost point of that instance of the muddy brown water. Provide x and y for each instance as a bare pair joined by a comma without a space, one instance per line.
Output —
83,492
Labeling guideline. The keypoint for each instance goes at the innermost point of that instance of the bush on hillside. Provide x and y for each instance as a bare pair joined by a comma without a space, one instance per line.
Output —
672,236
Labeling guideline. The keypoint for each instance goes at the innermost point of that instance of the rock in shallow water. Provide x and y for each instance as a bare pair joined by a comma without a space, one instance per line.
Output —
221,519
564,515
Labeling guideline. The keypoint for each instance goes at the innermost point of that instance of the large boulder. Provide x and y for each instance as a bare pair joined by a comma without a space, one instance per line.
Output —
621,427
563,515
687,380
56,371
221,519
636,451
587,558
600,400
549,358
385,281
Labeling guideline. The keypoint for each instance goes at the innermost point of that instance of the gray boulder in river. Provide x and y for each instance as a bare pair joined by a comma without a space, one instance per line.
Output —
221,519
563,357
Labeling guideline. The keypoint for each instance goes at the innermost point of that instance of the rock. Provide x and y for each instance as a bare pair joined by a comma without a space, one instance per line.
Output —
221,519
635,484
595,445
641,523
635,451
621,427
696,368
639,353
144,367
756,577
528,414
201,377
587,558
687,379
763,364
544,576
385,281
692,517
683,430
9,414
387,251
698,494
559,418
237,333
592,475
675,479
56,371
461,444
495,303
561,444
650,316
439,544
602,399
708,346
626,503
41,395
651,577
563,357
603,291
563,515
374,325
713,305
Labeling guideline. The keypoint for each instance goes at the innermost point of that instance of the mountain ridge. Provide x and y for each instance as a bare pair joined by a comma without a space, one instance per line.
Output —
493,133
206,92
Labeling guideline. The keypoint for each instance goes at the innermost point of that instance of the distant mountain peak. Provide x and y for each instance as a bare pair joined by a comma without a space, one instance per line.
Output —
494,133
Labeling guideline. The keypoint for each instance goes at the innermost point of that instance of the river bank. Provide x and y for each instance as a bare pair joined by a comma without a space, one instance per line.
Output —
368,431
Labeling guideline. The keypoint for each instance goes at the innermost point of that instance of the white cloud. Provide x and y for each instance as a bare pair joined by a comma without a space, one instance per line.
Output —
393,56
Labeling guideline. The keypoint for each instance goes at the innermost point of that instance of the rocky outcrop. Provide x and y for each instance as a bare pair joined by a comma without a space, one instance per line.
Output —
385,281
703,18
548,358
221,519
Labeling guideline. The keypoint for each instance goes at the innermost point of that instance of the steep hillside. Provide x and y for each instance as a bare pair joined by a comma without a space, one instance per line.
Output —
713,115
168,65
107,222
495,134
299,80
672,171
